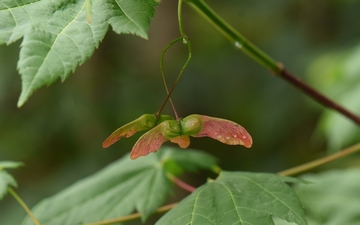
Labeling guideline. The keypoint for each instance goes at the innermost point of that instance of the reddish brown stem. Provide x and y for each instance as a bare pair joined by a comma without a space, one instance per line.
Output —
317,96
183,185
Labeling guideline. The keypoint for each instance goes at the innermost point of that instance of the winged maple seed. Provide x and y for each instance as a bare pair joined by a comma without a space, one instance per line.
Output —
166,128
144,122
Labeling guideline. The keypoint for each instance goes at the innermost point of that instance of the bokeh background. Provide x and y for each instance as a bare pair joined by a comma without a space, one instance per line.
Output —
59,131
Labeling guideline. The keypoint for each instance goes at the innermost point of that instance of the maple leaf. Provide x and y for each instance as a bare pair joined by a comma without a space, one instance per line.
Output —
58,37
120,188
7,180
240,198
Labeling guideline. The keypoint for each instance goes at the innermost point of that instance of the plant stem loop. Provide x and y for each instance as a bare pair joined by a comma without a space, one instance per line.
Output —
185,40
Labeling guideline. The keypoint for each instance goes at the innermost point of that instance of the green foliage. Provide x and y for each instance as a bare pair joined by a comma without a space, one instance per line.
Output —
333,198
120,188
57,37
10,165
239,198
6,179
337,74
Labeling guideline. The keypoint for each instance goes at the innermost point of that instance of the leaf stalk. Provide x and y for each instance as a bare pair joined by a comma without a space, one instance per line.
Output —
132,216
319,162
25,207
182,33
185,40
169,92
181,183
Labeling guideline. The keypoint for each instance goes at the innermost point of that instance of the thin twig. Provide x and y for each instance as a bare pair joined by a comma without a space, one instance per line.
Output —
164,79
186,41
317,96
132,216
264,59
181,183
181,28
25,207
319,162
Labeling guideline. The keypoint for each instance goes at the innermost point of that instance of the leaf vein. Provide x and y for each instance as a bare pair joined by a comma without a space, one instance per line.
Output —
13,16
233,201
133,21
18,6
271,193
52,46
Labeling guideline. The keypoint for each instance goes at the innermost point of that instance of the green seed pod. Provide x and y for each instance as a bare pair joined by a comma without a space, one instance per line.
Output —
191,125
163,118
148,121
170,129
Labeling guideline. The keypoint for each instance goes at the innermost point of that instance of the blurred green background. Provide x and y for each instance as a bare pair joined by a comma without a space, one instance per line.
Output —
59,131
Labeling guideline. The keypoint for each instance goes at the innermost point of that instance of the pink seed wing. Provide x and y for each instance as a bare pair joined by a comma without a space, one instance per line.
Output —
225,131
151,141
183,141
125,131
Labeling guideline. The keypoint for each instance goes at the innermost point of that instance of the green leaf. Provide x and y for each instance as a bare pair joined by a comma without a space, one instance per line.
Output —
190,161
116,190
16,17
131,16
57,36
6,180
88,7
337,75
239,198
339,130
10,164
333,198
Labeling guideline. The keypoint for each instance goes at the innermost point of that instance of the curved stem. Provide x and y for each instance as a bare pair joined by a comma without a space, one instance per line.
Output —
181,183
317,96
319,162
164,80
265,60
132,216
22,203
187,42
180,18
